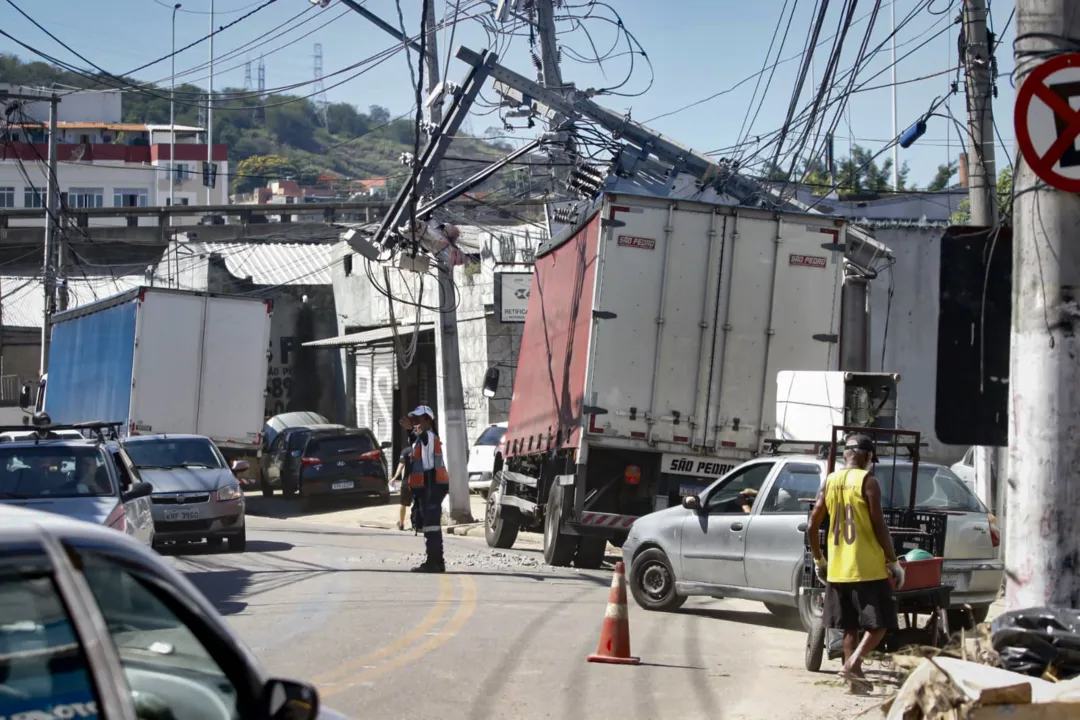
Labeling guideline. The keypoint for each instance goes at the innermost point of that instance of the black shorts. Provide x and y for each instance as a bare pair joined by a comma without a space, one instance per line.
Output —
405,498
854,606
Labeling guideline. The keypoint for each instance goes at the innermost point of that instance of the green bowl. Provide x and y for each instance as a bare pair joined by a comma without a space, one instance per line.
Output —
918,554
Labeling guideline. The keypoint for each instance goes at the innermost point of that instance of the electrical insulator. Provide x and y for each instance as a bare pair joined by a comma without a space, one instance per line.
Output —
536,61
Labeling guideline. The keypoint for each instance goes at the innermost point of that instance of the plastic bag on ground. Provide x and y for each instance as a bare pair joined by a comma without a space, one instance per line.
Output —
1030,641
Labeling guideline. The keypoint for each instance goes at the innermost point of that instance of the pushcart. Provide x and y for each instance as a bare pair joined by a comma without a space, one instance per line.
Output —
910,529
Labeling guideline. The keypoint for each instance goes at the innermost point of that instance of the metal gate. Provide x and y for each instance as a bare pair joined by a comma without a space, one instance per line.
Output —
363,387
383,382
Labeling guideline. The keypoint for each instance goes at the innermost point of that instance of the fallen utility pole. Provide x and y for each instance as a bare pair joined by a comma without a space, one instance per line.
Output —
52,207
1042,554
982,189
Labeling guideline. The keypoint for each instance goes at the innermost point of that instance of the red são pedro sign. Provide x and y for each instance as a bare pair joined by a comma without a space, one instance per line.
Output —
1047,126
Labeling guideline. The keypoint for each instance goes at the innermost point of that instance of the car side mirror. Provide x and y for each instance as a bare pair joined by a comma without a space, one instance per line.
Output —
297,453
24,396
240,466
386,445
692,502
289,700
136,491
491,382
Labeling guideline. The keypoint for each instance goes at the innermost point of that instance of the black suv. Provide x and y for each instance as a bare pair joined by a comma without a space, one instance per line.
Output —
324,460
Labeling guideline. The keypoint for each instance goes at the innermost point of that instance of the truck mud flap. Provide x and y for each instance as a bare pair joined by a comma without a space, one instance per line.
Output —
595,523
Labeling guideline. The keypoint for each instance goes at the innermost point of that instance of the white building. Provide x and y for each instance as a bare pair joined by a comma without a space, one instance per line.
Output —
103,162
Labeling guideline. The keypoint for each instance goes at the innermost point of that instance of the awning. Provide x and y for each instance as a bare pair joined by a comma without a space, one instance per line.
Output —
367,337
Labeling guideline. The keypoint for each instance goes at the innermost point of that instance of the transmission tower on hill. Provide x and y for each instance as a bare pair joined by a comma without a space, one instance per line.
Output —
260,111
247,76
319,89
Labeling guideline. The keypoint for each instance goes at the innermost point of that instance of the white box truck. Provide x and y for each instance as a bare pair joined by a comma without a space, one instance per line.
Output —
163,361
653,337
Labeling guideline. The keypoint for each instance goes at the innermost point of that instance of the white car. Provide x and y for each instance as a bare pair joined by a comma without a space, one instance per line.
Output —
482,457
965,470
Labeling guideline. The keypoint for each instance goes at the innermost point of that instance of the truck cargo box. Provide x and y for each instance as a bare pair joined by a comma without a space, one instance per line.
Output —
661,325
163,361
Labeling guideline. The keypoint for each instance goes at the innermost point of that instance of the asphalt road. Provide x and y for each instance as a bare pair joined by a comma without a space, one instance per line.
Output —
499,636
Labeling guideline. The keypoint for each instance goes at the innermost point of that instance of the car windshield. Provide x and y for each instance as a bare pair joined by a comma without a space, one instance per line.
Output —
53,471
491,436
171,453
938,488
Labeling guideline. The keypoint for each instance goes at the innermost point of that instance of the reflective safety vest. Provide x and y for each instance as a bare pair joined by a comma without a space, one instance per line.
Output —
416,472
854,552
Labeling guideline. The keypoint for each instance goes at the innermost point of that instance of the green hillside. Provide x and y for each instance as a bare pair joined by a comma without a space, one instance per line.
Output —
354,143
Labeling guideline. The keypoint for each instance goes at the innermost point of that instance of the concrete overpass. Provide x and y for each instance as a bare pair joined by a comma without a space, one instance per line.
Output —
134,235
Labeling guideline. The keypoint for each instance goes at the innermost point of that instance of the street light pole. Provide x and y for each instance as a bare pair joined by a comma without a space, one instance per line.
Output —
172,116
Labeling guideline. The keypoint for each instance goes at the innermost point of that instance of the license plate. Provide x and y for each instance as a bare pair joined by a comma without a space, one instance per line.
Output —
951,580
181,515
347,485
685,490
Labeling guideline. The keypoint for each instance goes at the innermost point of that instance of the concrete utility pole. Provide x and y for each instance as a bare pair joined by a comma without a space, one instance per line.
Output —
1044,416
172,116
892,50
52,208
449,390
982,181
550,74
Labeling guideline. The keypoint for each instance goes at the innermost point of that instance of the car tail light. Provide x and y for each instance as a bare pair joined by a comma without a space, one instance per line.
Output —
117,520
995,534
309,461
371,455
632,475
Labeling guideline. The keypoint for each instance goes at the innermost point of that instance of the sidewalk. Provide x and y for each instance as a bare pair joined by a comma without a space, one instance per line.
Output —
383,517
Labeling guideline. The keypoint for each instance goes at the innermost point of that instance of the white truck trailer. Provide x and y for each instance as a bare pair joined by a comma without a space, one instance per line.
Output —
653,338
163,361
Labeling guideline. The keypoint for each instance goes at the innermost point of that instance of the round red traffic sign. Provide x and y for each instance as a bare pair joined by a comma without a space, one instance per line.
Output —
1047,126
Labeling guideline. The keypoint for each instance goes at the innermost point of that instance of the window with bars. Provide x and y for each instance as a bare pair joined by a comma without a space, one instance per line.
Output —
78,198
131,197
7,197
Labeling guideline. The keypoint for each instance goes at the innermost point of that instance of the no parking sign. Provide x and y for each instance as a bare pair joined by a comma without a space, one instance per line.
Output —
1047,119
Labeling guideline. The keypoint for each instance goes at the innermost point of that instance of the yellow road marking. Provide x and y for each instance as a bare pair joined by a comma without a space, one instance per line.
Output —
465,607
442,604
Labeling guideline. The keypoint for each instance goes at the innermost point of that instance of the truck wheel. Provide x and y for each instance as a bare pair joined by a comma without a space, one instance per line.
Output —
264,485
287,489
559,549
652,582
590,553
501,523
815,646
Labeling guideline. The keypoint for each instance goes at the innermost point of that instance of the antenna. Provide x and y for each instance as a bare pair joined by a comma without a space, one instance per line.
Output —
247,75
319,88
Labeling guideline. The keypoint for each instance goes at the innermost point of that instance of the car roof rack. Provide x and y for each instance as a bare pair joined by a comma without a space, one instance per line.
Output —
97,428
820,448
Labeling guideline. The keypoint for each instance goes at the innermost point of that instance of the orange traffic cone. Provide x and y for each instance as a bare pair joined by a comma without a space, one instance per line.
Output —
614,644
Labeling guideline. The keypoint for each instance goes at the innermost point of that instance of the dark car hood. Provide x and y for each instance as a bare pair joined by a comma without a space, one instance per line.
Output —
187,479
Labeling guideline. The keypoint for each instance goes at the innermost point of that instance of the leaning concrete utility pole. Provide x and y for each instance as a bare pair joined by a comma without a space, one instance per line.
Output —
449,390
1041,555
982,183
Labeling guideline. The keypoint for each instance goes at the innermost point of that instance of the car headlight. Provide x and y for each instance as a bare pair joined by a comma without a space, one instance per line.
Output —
229,492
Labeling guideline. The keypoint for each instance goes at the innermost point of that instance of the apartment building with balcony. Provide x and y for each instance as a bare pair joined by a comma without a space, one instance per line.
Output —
102,161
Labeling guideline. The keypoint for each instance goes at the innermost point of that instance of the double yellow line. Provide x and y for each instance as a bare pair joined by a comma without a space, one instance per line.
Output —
411,646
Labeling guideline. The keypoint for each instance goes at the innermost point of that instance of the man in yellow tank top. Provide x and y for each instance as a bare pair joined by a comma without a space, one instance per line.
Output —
861,559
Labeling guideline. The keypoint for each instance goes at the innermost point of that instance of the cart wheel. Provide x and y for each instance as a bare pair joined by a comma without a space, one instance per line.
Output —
815,646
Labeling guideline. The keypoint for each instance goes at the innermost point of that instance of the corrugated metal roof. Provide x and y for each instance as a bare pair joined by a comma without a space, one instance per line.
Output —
22,299
366,337
273,263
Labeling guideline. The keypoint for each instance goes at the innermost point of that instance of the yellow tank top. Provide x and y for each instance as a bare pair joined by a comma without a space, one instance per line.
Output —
854,553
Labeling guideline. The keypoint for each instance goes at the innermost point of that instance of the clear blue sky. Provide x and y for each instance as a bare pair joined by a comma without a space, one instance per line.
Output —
697,48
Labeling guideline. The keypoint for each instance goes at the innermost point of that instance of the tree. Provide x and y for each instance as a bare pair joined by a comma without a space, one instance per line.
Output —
962,216
378,115
344,119
942,177
258,170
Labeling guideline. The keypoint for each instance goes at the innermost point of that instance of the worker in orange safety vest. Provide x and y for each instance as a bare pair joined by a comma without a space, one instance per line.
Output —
430,484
